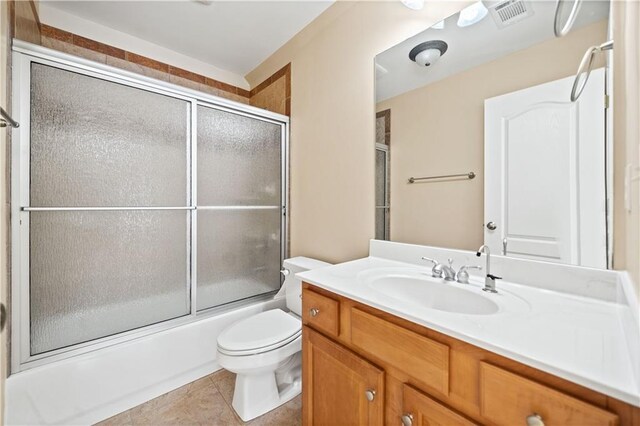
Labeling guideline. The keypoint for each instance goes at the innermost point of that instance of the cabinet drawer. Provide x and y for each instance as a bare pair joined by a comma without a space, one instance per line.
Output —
422,410
320,312
507,398
421,358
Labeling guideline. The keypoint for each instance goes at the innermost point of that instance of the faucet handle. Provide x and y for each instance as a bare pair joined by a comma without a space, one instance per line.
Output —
436,271
450,260
494,277
463,276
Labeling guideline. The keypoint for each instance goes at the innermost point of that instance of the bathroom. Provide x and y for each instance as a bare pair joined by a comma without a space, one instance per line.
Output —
320,212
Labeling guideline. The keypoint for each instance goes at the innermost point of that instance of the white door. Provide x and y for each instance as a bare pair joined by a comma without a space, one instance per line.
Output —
545,173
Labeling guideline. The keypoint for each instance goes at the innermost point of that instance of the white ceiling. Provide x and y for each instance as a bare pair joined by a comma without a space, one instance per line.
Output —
231,35
471,46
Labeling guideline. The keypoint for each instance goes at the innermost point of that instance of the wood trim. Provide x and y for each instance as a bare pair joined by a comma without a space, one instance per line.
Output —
96,46
147,62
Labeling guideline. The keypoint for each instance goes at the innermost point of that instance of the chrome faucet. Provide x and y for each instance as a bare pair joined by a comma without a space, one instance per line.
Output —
463,276
448,272
436,271
442,271
489,280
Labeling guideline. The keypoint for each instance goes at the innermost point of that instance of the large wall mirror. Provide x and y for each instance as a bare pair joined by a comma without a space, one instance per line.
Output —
479,142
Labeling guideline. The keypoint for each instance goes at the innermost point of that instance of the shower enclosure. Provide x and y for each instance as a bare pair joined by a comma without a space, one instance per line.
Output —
137,205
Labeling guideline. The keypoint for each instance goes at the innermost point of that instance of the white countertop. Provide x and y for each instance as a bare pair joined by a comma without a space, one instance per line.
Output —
578,338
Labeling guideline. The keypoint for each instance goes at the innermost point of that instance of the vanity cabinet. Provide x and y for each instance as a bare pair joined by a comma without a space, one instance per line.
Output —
419,409
340,387
363,366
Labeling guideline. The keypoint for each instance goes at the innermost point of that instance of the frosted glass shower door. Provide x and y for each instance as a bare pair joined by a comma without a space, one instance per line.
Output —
239,207
109,208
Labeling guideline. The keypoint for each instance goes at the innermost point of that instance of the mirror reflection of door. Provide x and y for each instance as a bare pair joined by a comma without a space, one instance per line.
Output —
383,140
545,173
543,166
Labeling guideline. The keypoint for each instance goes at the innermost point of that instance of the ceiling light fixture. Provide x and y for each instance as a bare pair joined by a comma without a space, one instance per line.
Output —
428,53
472,14
413,4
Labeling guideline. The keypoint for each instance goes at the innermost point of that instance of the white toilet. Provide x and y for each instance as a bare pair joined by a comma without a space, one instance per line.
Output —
265,350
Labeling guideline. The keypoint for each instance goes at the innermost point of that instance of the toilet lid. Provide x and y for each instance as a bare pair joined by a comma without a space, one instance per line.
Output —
262,330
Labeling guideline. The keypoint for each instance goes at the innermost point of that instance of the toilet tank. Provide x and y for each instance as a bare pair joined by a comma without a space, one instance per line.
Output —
292,286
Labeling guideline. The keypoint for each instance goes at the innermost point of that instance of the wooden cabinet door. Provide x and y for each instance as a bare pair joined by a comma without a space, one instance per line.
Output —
420,410
338,387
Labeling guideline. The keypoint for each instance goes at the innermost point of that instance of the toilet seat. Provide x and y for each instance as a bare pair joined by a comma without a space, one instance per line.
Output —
260,333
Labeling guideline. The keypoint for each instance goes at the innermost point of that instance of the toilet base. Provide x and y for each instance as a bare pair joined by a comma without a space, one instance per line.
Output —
257,394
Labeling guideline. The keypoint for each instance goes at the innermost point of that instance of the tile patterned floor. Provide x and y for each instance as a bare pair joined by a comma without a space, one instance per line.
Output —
206,401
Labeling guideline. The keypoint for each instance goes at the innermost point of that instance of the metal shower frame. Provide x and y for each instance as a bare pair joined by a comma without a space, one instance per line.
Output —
23,55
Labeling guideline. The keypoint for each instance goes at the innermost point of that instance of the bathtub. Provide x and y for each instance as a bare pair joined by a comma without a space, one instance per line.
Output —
91,387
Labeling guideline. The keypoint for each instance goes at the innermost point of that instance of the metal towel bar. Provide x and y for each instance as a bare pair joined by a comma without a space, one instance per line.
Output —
7,120
469,175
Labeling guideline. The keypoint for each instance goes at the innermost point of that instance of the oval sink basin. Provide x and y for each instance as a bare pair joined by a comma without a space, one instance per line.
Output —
431,293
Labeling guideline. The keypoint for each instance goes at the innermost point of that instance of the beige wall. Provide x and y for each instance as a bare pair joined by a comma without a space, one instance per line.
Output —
626,24
332,120
439,129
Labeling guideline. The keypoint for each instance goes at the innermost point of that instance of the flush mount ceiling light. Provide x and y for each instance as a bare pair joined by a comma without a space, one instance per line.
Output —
413,4
472,14
427,53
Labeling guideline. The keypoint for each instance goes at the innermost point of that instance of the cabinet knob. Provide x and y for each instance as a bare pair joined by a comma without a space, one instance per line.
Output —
370,394
407,419
535,420
314,312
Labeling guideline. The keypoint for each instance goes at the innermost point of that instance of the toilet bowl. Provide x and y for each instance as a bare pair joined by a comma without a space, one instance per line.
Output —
265,350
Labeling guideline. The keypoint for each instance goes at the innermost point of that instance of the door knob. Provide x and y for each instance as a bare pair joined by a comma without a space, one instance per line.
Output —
535,420
314,312
407,419
370,394
491,226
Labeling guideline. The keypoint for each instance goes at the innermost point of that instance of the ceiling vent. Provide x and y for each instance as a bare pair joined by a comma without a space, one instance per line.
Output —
509,12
